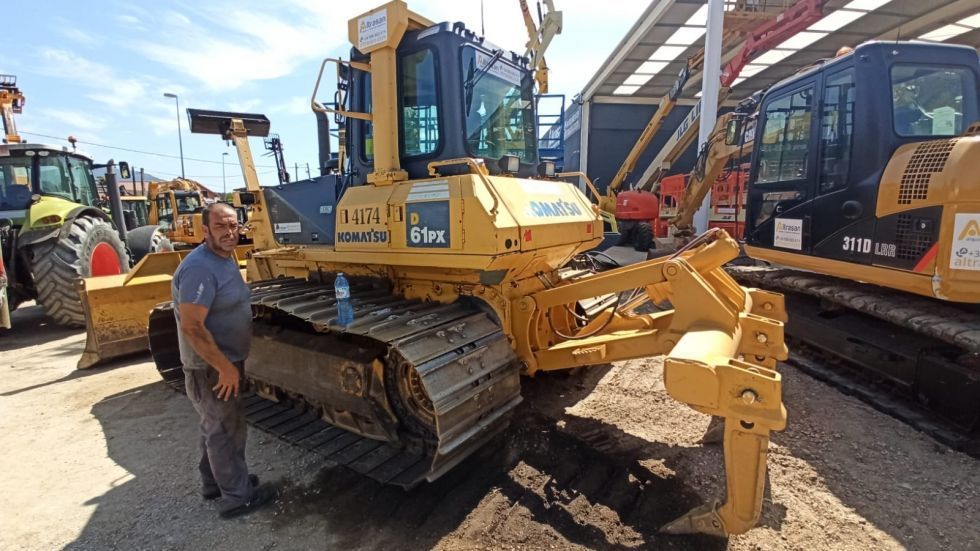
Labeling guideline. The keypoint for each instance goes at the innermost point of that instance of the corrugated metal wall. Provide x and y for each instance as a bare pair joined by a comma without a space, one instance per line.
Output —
614,128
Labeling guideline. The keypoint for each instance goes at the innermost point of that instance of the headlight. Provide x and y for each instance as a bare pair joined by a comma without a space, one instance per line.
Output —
50,220
510,164
546,169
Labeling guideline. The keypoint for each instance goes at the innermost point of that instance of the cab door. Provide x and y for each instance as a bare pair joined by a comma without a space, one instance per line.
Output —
843,208
784,170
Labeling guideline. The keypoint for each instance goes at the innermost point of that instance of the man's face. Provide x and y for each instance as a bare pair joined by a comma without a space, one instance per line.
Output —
221,233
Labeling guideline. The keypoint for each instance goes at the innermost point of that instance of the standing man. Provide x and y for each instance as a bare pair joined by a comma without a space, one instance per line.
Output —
214,320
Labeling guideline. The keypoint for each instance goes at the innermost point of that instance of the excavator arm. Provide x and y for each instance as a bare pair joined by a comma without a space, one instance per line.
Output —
710,164
759,39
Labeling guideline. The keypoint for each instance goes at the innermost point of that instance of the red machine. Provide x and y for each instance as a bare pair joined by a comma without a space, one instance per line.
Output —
728,197
646,216
639,219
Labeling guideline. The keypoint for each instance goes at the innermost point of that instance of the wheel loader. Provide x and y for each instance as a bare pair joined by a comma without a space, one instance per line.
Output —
55,228
176,206
461,248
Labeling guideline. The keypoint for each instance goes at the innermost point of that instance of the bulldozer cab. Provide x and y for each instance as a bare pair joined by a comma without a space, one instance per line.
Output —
458,96
826,137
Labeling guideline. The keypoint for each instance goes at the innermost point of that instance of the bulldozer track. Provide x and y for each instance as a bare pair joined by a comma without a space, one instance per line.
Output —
920,366
449,374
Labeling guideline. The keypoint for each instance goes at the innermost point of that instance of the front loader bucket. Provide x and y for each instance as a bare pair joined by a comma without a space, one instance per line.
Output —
117,308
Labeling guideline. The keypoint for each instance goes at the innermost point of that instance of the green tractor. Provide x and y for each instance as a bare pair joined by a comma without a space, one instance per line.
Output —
57,226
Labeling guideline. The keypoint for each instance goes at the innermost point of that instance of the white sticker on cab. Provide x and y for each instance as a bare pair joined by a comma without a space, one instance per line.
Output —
965,251
288,227
788,234
372,29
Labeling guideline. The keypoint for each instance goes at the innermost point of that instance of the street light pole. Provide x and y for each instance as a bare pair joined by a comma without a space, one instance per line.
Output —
180,138
224,188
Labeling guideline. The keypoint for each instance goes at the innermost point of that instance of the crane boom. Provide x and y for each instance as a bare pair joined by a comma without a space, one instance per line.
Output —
761,38
11,103
539,40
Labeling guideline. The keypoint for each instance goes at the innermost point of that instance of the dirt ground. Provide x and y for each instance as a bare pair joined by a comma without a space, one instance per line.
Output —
595,459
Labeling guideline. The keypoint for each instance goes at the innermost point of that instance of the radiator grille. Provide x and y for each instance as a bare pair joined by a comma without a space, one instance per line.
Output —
910,242
928,159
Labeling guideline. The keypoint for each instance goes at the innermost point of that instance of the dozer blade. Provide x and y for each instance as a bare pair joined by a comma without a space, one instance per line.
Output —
117,308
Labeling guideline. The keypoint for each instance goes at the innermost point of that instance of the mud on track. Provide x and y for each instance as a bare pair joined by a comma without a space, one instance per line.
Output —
594,459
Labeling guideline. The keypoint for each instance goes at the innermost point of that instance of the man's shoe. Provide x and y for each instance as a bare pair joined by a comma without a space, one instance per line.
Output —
260,496
214,492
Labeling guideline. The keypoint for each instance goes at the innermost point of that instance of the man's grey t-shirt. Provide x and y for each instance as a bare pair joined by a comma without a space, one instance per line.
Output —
215,282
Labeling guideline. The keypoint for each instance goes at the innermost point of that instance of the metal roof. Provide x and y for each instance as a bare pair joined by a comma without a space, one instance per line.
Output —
668,33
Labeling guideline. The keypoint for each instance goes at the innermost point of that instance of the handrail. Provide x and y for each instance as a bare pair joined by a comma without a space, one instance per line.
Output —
475,168
318,107
588,182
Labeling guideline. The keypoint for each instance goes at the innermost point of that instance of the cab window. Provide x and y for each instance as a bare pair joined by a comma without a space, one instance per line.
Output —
83,181
420,104
836,130
784,151
928,100
53,172
367,138
165,214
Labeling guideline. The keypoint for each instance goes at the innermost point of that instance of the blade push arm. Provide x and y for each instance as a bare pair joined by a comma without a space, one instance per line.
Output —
722,343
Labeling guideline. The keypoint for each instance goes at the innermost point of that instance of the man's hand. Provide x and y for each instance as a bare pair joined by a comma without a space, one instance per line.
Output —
227,386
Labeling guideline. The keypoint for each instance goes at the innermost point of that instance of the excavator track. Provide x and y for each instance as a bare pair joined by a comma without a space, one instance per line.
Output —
402,393
922,365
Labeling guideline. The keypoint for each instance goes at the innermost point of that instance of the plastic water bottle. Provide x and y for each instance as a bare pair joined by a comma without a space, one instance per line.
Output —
341,288
345,312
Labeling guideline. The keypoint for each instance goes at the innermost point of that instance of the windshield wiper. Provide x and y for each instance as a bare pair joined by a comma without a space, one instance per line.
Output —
474,78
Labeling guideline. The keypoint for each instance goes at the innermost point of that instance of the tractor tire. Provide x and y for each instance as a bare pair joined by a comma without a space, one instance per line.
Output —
145,240
626,229
644,237
92,247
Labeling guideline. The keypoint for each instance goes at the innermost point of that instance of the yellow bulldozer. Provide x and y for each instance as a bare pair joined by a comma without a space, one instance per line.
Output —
463,253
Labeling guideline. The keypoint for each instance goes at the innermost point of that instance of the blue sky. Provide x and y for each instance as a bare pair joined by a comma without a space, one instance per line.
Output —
98,69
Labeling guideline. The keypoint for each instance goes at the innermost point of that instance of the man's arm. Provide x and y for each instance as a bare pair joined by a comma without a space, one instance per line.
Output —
192,318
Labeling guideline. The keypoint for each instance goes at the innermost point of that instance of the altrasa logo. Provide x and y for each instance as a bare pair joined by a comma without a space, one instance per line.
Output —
970,232
369,23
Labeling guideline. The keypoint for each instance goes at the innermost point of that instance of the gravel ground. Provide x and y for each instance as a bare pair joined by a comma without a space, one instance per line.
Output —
596,459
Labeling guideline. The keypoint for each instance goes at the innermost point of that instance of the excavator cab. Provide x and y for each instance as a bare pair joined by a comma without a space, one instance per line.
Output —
860,168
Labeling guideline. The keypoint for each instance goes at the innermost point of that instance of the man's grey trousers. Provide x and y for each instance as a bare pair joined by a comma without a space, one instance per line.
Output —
223,434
